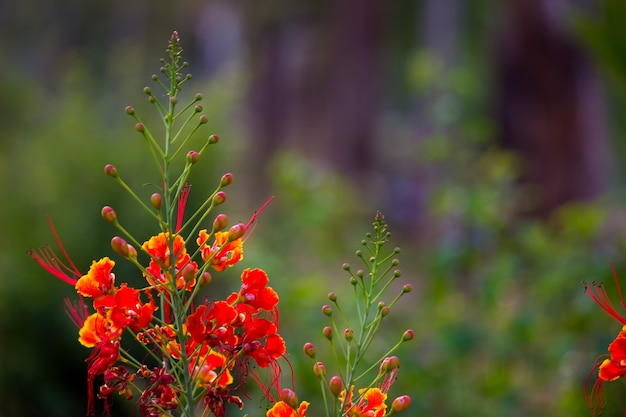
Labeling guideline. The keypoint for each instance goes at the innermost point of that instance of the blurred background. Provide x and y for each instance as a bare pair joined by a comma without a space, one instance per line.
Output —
489,133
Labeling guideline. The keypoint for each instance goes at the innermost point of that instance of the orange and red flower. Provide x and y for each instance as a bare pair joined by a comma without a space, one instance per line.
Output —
371,403
222,253
282,409
99,281
159,271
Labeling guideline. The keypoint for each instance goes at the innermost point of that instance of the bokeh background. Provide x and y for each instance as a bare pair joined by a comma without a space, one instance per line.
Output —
489,133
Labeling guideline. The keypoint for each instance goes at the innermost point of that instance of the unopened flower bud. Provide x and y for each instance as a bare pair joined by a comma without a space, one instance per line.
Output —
188,272
109,214
173,100
220,222
401,404
193,157
346,267
397,273
319,370
110,170
120,246
309,350
148,90
139,127
198,108
236,232
384,311
198,97
129,110
407,288
348,334
203,119
205,278
353,281
219,198
156,200
289,397
408,335
332,296
327,310
132,252
360,273
226,180
335,385
327,332
214,139
389,364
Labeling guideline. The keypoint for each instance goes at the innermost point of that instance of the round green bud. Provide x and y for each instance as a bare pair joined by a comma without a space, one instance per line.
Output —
129,110
327,332
397,273
193,157
109,214
204,119
139,127
226,180
173,100
236,232
198,108
219,198
332,296
205,279
346,266
289,397
401,404
198,97
188,272
213,139
408,335
407,288
220,222
335,385
384,311
389,364
309,350
156,200
348,334
327,310
110,170
120,246
319,370
148,90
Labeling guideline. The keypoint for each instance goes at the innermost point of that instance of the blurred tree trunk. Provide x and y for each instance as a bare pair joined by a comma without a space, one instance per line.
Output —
550,105
315,83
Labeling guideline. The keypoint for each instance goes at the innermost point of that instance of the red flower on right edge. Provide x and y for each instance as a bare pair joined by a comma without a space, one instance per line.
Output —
610,366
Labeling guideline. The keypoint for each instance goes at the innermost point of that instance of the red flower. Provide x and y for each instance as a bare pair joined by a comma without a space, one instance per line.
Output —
125,309
263,353
254,291
213,325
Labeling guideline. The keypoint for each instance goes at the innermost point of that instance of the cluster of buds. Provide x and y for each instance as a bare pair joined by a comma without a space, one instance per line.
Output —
350,341
196,356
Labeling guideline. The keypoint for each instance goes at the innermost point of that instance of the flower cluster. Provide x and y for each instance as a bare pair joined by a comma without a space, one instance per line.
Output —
196,356
611,366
